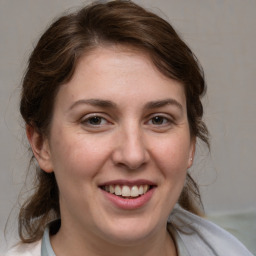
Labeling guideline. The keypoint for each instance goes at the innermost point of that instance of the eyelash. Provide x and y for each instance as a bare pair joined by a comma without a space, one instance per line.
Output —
166,121
88,119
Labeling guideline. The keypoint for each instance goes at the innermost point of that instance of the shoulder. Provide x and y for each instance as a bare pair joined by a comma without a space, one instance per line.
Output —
32,249
200,235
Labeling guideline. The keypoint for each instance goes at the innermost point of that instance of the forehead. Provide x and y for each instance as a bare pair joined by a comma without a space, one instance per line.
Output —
121,54
120,73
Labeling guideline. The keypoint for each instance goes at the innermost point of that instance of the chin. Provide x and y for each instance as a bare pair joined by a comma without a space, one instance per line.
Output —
129,232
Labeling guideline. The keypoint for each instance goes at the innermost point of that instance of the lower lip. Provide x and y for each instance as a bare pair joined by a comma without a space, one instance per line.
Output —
131,203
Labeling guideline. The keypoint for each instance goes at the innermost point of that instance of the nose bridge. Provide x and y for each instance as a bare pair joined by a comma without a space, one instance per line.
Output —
131,150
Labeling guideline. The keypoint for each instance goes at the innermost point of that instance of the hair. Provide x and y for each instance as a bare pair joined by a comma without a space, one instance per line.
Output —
53,61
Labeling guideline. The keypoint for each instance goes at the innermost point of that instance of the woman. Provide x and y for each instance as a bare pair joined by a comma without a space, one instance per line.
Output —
111,101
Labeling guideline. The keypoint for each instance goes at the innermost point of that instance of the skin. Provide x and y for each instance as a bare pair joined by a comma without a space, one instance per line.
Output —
131,139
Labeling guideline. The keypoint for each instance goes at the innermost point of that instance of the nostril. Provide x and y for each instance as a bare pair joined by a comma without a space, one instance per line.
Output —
132,167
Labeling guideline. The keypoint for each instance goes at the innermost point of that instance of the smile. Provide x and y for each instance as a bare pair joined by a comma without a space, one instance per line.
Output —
127,191
128,195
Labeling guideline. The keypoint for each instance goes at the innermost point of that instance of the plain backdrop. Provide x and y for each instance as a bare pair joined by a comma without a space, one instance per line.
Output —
222,34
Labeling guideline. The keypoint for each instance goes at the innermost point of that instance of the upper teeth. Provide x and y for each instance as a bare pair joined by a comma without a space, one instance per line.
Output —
127,191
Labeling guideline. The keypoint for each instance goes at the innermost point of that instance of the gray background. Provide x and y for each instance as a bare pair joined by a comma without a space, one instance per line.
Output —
222,33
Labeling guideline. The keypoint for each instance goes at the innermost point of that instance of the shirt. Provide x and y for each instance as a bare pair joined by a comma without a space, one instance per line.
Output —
193,236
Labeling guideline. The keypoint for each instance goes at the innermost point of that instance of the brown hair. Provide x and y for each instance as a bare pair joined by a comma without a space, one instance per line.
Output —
53,62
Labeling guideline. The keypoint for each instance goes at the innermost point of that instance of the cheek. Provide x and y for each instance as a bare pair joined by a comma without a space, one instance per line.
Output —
76,162
77,156
173,155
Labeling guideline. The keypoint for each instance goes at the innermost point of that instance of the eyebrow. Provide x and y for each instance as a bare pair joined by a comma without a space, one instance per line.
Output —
94,102
109,104
162,103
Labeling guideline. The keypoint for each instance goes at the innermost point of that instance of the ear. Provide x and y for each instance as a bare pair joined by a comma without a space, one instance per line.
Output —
192,151
40,148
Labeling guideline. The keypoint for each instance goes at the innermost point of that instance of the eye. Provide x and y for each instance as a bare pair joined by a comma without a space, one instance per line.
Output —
159,120
94,121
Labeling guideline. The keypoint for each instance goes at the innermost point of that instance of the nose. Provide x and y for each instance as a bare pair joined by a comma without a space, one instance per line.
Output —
131,151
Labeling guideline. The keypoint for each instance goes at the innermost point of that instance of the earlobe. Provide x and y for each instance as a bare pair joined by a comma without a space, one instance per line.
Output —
40,148
192,152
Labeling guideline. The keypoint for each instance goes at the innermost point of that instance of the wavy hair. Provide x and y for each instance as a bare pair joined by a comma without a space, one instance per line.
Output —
53,61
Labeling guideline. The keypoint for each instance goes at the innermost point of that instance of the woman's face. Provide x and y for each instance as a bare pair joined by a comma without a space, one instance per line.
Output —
119,146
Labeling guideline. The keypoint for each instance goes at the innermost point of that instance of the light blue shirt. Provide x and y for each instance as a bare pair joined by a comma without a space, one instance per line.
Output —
193,235
46,248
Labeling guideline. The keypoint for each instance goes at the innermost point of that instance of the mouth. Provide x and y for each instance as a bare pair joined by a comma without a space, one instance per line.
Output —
127,191
127,194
